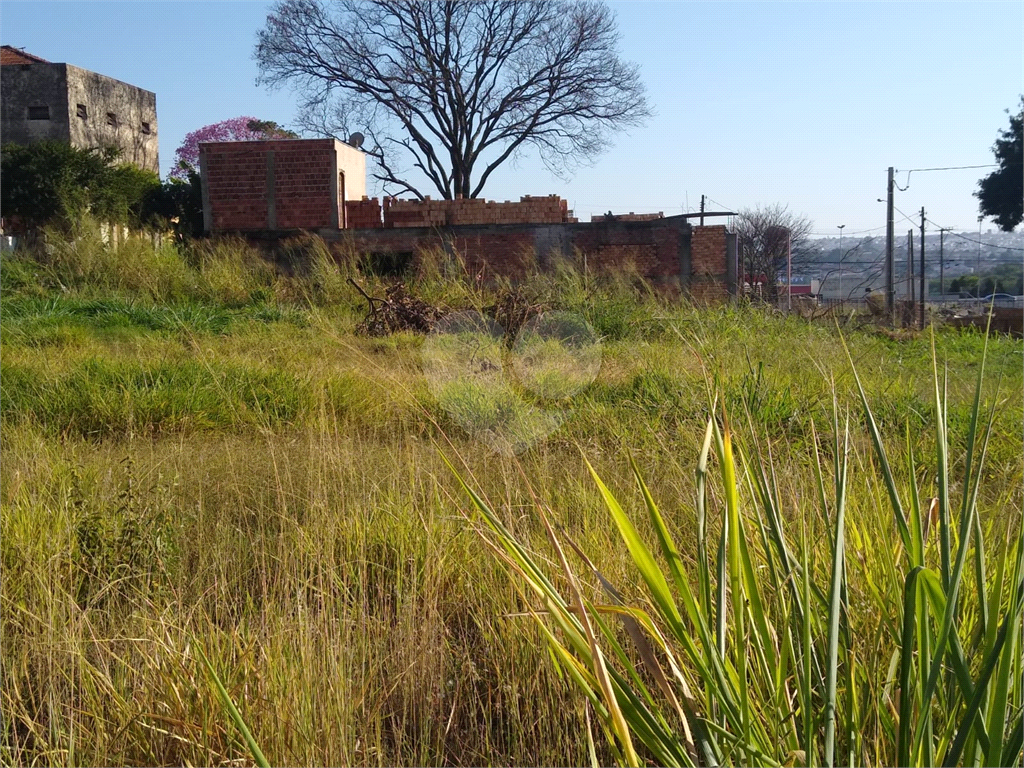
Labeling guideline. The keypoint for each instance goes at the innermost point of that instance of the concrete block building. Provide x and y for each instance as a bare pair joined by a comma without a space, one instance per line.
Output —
42,100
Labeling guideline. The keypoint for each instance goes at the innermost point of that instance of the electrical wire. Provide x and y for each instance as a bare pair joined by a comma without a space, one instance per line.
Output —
847,234
957,234
972,240
901,213
726,207
947,168
953,168
844,262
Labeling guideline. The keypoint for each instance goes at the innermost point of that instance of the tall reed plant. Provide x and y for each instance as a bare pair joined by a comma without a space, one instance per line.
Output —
795,631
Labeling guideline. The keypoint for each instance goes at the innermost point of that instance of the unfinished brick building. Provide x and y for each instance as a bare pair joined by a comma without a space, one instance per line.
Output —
268,190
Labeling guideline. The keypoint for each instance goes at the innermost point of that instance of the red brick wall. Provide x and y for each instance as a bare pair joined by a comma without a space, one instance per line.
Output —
505,254
659,249
475,211
707,251
709,291
305,185
488,253
236,177
652,250
497,250
236,183
363,214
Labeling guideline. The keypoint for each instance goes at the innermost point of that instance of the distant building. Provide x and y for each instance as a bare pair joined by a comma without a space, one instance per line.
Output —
41,100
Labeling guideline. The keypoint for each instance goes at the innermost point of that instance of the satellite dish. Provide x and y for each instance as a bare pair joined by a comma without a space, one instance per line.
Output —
356,140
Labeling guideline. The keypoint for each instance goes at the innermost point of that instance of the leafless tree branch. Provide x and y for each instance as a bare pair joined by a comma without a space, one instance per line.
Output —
455,88
767,235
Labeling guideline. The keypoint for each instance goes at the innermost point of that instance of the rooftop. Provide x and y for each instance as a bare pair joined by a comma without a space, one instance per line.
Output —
11,55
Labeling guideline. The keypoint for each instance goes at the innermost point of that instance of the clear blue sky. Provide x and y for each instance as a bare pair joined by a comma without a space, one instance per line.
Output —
757,103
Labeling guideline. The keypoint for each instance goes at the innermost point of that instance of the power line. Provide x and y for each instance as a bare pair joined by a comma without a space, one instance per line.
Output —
848,234
953,168
901,213
980,242
957,234
726,207
971,240
902,248
946,168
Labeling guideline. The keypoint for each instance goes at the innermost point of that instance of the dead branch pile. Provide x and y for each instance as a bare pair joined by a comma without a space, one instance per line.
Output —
397,311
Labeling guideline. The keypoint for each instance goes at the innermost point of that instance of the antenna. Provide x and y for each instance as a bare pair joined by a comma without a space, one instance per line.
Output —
356,139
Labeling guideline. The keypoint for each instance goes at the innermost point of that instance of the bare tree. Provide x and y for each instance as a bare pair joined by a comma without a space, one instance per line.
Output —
767,235
455,88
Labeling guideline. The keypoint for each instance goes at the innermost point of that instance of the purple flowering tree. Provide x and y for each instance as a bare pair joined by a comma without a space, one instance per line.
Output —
186,158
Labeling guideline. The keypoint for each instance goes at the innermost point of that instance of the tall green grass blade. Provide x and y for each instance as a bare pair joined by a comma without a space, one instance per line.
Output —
767,492
942,465
968,511
233,713
806,686
713,664
701,476
1015,742
836,591
916,524
883,460
642,557
721,593
910,614
980,580
601,670
993,660
668,546
999,701
591,748
733,556
972,431
996,592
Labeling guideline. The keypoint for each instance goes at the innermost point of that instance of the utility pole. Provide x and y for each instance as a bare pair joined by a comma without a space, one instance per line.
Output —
977,270
789,271
921,312
840,226
702,210
942,264
890,264
910,275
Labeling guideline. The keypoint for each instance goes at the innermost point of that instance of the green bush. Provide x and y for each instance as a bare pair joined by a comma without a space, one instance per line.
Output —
53,183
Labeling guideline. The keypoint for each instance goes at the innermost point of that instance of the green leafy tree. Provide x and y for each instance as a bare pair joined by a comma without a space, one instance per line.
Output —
178,205
1001,193
53,183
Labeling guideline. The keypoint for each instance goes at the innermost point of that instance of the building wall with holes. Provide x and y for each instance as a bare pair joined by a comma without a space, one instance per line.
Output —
115,114
34,103
61,102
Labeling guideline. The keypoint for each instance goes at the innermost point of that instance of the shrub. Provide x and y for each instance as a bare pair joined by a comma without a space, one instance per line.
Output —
53,183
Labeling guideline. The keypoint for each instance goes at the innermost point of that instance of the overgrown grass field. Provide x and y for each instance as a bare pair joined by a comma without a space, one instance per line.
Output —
201,455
